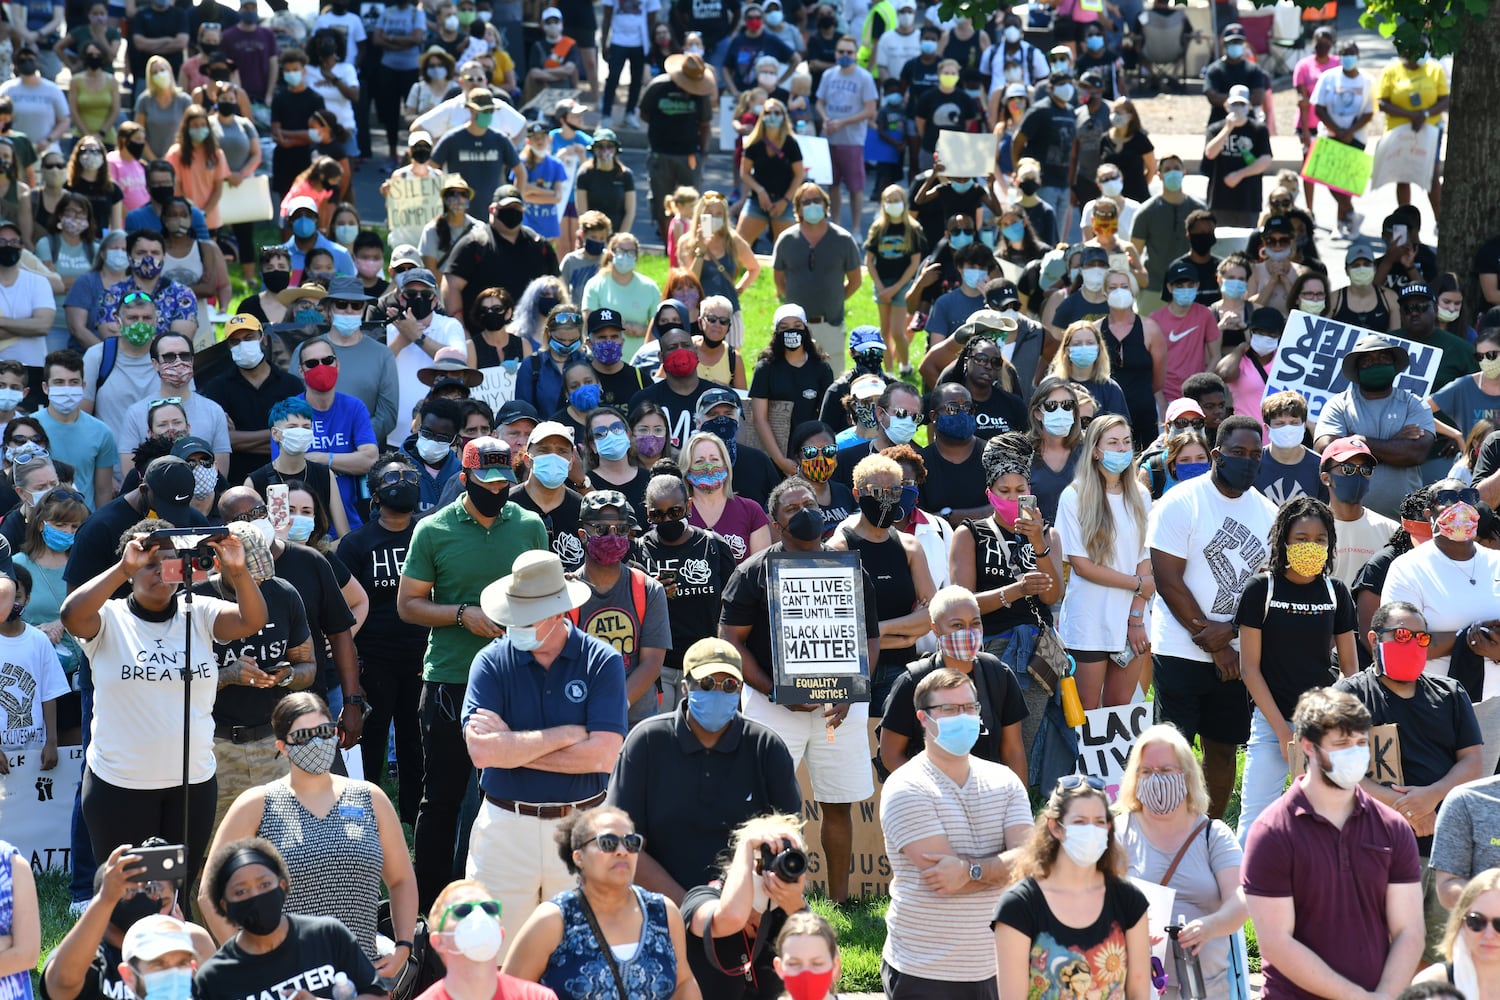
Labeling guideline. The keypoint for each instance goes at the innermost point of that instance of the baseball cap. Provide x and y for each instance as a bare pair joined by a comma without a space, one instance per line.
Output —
549,428
604,319
718,397
568,106
1413,290
1004,295
300,203
258,558
169,485
241,323
1233,30
1344,448
1094,255
537,128
189,446
1017,90
414,275
1061,50
1183,407
550,13
711,656
405,253
487,459
865,338
516,409
1181,271
1278,224
1267,319
1359,251
1091,79
866,387
596,506
506,193
412,138
789,311
157,935
1239,93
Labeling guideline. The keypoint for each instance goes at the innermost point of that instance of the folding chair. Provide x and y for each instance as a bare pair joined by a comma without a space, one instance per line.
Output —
1164,46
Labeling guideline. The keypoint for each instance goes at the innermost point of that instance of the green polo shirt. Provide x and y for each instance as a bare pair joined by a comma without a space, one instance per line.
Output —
460,557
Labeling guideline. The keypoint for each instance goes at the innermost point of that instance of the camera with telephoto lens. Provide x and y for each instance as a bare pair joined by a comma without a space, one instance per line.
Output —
789,864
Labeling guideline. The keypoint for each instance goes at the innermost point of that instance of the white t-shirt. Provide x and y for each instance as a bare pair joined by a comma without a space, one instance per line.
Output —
22,300
628,26
1345,97
1224,543
136,740
1126,213
1452,595
1358,541
30,674
205,419
893,51
333,99
446,331
352,27
1096,617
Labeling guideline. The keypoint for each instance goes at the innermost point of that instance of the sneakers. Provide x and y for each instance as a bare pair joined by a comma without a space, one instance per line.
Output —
606,121
76,908
633,120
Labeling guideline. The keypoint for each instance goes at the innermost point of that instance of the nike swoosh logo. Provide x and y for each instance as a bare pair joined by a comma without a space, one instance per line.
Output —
185,499
1175,337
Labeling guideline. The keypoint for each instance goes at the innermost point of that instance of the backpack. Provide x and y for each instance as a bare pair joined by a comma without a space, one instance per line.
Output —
637,596
1155,462
109,352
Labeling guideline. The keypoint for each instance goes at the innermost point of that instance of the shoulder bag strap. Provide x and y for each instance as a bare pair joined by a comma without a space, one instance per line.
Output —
1165,879
609,956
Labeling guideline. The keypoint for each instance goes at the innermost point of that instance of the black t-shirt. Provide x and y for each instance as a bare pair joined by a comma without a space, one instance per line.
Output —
841,505
1130,157
772,168
758,981
894,249
1049,129
1000,704
951,202
954,111
674,117
635,492
312,574
291,109
1247,142
679,409
1222,74
95,546
616,389
1488,461
375,555
1297,633
606,190
1003,411
561,523
917,77
1024,907
314,951
101,981
286,628
755,475
958,486
703,565
249,409
710,18
803,387
483,258
153,22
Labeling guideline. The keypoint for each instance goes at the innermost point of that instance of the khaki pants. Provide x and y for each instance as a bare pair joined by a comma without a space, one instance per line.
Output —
517,860
241,766
830,337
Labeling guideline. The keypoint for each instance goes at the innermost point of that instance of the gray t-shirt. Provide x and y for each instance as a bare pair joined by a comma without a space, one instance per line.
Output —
235,139
815,275
1465,843
1379,419
614,618
844,96
367,371
1467,404
1163,227
130,380
161,122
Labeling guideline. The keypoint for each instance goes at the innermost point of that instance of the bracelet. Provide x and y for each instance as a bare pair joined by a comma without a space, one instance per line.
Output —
1044,553
1137,585
404,944
1004,602
458,619
1139,616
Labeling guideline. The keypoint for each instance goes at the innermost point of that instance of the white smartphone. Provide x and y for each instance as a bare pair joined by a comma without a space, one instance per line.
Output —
1398,234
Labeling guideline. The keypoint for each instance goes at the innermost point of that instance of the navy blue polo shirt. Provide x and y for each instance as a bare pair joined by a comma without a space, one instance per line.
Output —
584,686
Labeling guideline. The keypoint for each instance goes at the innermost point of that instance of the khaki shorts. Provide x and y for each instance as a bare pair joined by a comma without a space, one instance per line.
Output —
242,766
840,771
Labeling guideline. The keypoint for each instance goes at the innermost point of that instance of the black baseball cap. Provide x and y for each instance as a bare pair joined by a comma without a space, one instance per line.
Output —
169,489
604,319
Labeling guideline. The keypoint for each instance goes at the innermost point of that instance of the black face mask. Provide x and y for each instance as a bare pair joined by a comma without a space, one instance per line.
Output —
161,194
421,306
879,513
488,504
671,531
258,914
228,108
10,256
510,217
421,154
276,281
1201,243
827,23
401,498
128,911
492,319
1029,187
806,525
136,149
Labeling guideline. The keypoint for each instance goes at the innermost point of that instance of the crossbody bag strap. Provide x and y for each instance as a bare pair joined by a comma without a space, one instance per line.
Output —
1171,869
609,956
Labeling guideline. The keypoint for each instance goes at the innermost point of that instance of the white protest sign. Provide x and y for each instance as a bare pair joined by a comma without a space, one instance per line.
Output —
818,646
1311,357
411,203
727,135
497,389
1406,156
817,161
966,154
1159,903
38,805
1105,739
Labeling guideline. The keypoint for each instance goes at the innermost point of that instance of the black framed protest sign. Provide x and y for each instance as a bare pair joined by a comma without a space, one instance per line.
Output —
819,651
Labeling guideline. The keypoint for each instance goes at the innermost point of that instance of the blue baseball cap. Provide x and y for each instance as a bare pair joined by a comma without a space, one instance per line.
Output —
865,338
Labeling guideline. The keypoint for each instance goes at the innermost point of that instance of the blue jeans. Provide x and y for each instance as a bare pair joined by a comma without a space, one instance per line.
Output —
1058,198
1265,773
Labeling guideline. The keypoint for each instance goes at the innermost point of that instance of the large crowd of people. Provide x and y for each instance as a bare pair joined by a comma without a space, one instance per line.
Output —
463,526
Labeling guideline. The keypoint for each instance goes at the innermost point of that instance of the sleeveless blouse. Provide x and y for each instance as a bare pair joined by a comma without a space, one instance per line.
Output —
578,970
1001,557
17,985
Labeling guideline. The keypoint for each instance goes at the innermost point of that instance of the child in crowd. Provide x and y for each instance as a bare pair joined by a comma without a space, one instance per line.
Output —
31,681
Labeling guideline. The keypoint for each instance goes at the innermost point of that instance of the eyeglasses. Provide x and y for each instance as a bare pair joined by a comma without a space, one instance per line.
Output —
157,404
600,433
430,436
297,737
461,910
888,494
987,361
954,409
605,530
331,359
663,516
1069,782
1423,639
1084,422
396,476
724,320
811,452
1051,405
609,843
173,357
253,514
1476,922
1446,498
1276,241
1353,469
726,684
949,711
1487,355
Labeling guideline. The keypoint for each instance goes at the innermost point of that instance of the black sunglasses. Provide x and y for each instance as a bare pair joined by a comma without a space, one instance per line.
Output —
811,452
1476,921
662,516
1353,469
609,843
253,514
1446,498
602,530
1051,405
332,359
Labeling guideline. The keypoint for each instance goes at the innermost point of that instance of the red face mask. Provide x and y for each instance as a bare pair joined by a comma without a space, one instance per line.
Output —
322,378
1420,531
680,363
808,985
1402,661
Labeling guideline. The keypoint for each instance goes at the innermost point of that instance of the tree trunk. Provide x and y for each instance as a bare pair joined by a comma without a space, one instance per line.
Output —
1471,177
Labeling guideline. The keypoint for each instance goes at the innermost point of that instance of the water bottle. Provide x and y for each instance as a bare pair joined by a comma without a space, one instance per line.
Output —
1067,692
343,989
1189,971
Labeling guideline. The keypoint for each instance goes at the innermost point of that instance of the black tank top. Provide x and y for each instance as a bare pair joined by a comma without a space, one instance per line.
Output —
1378,318
487,357
895,592
1000,558
1129,360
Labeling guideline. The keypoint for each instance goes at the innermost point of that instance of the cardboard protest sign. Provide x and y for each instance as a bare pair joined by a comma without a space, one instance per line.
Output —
966,154
1338,166
38,805
1406,155
817,160
818,648
1105,739
1311,357
1385,756
1488,714
411,203
870,869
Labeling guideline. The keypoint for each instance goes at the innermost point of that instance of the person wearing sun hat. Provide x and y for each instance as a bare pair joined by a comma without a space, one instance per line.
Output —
442,234
677,108
545,693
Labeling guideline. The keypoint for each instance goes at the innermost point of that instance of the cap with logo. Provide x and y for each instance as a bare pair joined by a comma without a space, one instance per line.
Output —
169,489
150,938
605,319
1181,271
187,447
719,396
241,323
1344,448
505,194
866,338
711,656
1415,290
487,459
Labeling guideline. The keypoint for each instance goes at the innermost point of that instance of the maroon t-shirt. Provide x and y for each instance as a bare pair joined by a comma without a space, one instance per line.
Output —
1337,879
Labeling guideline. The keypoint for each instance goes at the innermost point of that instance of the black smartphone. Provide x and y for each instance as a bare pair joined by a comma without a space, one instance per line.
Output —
161,864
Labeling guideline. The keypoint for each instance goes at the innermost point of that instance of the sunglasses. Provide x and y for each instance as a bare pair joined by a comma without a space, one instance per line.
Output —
1051,405
1416,307
986,361
156,404
461,910
135,297
960,232
253,514
726,684
605,530
173,357
1446,498
609,843
1476,921
1084,422
663,516
348,304
1354,469
953,409
331,359
1423,639
297,737
888,494
724,320
1181,425
900,414
565,319
811,452
1487,355
394,477
63,493
600,433
1070,781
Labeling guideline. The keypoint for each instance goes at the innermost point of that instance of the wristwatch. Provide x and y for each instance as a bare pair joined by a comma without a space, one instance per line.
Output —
357,700
976,871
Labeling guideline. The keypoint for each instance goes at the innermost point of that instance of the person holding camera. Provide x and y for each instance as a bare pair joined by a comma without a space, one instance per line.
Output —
132,779
744,909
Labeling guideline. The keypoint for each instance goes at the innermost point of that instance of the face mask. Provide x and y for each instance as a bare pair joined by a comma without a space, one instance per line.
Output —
1314,306
892,100
1459,523
957,734
1190,470
275,281
806,525
1029,187
301,528
1278,255
713,710
247,353
1348,62
1401,661
10,399
296,440
1014,233
819,470
1184,296
1006,508
962,645
903,20
808,985
1058,422
478,936
1239,474
1093,278
791,339
1349,489
1120,298
1162,793
1063,92
1235,50
1085,844
928,46
1347,767
615,446
974,276
1085,356
228,109
1201,244
116,260
1447,315
584,398
909,496
680,362
510,217
169,984
955,426
550,470
293,78
205,478
421,154
650,445
1362,276
1120,121
880,513
304,227
258,914
563,347
401,498
1012,34
900,430
433,452
607,550
754,23
1094,43
813,214
486,503
624,262
957,241
707,479
315,756
65,398
322,378
1377,377
346,323
1307,558
345,233
1234,288
56,539
947,80
1172,181
1115,462
128,911
1287,435
593,247
693,50
671,531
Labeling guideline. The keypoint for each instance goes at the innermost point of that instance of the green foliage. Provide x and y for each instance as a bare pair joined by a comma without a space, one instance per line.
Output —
860,926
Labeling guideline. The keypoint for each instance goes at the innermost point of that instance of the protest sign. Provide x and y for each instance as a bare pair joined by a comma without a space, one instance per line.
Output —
1159,904
1488,714
411,203
38,805
966,154
727,135
818,648
1338,166
1105,739
1311,357
869,868
817,161
1406,155
497,389
1385,756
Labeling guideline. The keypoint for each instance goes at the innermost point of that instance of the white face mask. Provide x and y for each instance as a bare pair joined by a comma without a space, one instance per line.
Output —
263,525
1093,278
1262,344
1347,766
296,440
478,936
433,452
1447,315
1085,843
1362,276
1119,298
1287,435
893,209
247,353
1113,188
65,398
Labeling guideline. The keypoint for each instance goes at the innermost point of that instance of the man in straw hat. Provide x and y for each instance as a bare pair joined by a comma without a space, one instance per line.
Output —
546,738
676,108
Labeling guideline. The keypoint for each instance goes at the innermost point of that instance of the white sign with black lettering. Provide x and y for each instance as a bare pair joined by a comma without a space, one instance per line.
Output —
1311,357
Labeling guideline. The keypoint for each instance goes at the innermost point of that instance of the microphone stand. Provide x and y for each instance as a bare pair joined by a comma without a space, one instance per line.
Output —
187,684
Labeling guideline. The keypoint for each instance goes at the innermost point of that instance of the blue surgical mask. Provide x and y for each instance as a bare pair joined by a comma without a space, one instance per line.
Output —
928,46
1234,288
1115,461
713,710
1084,356
309,315
1063,92
1058,422
345,233
584,398
813,213
304,227
550,470
511,365
974,276
1235,50
892,100
56,539
1172,180
346,322
963,185
169,984
625,262
1094,43
1185,295
958,241
1014,232
1348,62
292,77
561,346
957,734
615,446
301,528
901,429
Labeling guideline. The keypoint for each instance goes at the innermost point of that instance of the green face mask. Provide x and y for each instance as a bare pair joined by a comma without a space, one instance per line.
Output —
484,118
1377,377
140,333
